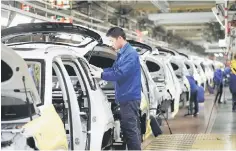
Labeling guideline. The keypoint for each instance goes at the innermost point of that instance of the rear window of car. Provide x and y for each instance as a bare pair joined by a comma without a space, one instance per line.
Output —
152,67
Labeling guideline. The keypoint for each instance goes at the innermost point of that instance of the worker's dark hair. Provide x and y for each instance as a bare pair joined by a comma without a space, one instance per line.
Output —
115,32
234,56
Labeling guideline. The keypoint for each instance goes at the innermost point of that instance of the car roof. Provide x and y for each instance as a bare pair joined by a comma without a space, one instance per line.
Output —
163,57
48,53
160,58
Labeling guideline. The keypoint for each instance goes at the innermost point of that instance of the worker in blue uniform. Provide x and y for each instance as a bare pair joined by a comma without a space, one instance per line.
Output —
193,97
126,74
232,81
218,81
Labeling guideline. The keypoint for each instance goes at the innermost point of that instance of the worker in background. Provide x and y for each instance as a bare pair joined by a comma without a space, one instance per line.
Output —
126,74
193,97
218,81
227,72
232,81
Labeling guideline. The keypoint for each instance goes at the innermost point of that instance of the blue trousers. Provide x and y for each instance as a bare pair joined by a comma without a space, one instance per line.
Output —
130,124
234,101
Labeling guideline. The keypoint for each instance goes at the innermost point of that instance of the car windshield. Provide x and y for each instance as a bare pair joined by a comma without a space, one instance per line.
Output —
58,38
13,108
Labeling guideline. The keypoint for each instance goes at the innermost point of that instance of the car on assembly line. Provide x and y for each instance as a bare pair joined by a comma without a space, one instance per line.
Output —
178,65
99,114
181,72
208,70
192,68
23,125
197,63
161,70
162,99
64,79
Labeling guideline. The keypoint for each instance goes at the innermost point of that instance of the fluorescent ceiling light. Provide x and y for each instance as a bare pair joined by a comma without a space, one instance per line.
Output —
20,19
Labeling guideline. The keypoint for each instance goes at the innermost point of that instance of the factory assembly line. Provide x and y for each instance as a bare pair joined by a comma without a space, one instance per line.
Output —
54,89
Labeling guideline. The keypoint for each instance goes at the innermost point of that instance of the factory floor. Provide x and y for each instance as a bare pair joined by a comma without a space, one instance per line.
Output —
213,129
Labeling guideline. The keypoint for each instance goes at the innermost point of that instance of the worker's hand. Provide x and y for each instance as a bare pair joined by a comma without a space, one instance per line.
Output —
96,74
96,68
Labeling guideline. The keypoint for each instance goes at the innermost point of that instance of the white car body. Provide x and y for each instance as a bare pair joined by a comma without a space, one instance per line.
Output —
181,72
206,65
157,96
171,86
18,123
207,74
151,90
192,68
87,134
100,118
201,73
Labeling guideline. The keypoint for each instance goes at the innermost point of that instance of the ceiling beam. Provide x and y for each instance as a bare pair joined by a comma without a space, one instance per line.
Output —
213,50
184,27
181,18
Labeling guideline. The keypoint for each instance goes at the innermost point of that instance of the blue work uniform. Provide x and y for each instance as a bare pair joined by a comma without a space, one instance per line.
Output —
193,98
232,85
218,77
126,75
232,80
192,83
